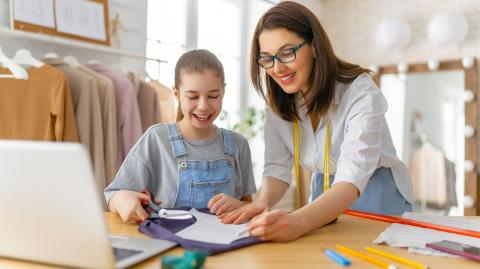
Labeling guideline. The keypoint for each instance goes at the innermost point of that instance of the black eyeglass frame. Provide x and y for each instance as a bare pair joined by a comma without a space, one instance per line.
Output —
273,57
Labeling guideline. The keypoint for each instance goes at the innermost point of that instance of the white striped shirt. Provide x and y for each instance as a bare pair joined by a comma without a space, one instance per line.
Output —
360,139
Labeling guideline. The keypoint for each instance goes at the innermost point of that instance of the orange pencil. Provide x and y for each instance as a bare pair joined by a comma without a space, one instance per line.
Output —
422,224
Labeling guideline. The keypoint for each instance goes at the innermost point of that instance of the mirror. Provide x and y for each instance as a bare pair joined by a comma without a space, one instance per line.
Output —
432,119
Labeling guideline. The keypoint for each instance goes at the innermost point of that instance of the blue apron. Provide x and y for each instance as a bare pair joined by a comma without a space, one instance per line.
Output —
200,180
380,196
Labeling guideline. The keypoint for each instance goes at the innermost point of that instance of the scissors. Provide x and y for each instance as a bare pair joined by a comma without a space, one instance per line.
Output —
160,211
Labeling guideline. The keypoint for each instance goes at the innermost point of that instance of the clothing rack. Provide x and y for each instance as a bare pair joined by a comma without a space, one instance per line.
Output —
73,43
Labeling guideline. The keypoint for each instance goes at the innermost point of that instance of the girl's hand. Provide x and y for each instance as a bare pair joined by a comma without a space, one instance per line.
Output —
243,214
276,225
130,205
222,203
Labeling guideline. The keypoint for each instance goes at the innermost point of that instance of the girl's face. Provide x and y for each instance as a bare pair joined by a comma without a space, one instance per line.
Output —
200,97
292,76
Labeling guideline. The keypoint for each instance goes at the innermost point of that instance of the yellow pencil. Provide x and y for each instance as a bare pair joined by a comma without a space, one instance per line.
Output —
366,257
396,258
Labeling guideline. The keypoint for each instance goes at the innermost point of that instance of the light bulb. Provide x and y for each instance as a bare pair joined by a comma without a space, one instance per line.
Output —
468,165
469,131
468,96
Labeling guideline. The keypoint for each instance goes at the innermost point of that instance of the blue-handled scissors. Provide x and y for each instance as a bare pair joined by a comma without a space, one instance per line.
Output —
162,212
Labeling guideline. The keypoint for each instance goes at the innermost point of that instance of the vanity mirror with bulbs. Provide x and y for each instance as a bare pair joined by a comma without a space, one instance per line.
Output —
432,116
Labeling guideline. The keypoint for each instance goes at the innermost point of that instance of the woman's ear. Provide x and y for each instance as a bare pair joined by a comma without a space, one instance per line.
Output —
314,52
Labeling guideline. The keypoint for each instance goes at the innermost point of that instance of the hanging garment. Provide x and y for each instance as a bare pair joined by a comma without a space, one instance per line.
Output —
86,104
148,102
39,108
166,229
451,183
129,126
166,102
106,93
427,168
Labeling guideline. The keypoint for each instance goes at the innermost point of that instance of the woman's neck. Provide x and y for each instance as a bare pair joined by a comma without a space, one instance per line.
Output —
192,133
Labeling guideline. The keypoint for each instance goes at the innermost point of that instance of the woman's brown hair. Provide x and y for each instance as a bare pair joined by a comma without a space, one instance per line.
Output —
197,61
327,68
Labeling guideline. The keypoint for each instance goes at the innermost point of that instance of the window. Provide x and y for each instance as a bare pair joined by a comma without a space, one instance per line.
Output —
221,26
166,37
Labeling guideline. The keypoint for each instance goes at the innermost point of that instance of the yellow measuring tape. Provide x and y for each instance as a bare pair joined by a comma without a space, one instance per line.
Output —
296,156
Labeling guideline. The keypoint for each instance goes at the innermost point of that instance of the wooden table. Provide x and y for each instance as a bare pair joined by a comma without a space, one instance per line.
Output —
306,252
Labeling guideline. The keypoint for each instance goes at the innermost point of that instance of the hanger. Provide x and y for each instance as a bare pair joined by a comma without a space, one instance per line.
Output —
50,55
17,71
144,76
24,57
71,61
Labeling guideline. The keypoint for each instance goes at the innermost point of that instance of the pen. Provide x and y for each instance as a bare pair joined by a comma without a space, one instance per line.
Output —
337,257
366,257
396,258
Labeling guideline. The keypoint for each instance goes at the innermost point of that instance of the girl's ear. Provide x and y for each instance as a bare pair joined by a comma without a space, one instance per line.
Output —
313,52
176,92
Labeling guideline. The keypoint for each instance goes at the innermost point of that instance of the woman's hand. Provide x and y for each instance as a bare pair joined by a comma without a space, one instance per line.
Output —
130,205
222,203
243,214
276,225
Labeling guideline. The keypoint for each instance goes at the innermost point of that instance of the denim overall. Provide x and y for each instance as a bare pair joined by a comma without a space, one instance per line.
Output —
200,180
380,196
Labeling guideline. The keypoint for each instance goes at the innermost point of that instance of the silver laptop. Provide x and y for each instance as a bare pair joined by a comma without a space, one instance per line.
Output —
50,210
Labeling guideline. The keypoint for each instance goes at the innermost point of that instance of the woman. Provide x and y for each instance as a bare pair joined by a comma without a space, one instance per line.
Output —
341,124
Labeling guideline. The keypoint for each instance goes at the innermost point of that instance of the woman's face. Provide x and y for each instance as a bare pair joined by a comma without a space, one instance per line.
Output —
292,76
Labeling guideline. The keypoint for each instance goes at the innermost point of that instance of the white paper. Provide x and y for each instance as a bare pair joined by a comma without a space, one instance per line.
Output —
38,12
210,229
81,17
415,238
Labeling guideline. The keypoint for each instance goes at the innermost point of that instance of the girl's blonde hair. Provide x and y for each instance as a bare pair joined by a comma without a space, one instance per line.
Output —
197,61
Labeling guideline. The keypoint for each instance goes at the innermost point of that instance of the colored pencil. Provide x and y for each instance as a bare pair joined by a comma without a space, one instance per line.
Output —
366,257
421,224
396,258
337,257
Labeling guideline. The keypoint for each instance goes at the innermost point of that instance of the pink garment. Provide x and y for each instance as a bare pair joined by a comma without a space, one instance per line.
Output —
129,125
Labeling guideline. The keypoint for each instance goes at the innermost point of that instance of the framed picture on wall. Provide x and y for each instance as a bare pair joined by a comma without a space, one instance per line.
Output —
30,15
85,20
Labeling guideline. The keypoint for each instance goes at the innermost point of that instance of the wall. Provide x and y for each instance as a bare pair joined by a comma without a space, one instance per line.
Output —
132,37
351,25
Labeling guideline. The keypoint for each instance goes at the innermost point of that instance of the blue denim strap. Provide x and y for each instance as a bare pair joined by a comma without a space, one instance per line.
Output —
228,142
176,140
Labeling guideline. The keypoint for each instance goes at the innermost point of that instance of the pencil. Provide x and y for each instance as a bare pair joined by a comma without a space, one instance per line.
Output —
396,258
336,257
421,224
366,257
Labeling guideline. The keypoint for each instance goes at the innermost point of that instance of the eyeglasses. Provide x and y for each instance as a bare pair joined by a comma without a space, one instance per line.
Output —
283,56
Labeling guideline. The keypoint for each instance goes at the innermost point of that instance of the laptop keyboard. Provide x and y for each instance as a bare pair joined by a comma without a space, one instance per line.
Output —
123,253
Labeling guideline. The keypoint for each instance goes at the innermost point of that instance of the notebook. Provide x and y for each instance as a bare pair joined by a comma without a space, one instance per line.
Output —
51,211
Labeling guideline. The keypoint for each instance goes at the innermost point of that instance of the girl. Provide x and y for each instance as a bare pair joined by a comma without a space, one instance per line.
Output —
191,163
339,115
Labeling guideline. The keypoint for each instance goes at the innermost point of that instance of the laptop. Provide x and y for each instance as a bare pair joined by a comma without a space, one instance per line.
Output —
50,210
